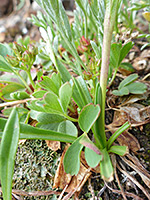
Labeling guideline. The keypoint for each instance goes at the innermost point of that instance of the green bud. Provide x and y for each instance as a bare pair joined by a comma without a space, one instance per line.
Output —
12,60
27,57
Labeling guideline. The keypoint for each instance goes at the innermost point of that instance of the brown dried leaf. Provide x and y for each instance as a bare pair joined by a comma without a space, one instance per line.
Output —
53,145
129,140
83,161
134,98
119,119
139,169
125,138
61,178
132,113
80,179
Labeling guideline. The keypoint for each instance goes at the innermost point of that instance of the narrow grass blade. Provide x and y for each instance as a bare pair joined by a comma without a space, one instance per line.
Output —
8,150
117,133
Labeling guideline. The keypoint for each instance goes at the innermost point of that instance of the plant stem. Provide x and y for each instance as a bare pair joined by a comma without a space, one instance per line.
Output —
110,16
30,78
70,118
113,77
26,85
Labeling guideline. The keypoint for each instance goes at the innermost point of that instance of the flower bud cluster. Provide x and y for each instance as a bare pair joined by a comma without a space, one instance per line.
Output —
24,57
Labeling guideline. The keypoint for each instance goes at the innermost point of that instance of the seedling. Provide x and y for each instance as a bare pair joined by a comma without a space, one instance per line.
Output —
128,85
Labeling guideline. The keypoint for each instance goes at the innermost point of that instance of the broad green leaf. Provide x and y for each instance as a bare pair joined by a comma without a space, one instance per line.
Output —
30,132
92,153
124,127
72,157
127,66
19,95
97,128
120,150
52,126
5,50
92,158
124,51
10,78
88,116
39,94
4,65
36,105
128,80
65,75
11,87
106,167
81,94
56,78
8,150
88,143
46,118
48,84
123,91
115,54
52,104
68,127
21,111
65,93
137,88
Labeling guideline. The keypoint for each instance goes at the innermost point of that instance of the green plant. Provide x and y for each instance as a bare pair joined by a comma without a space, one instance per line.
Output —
128,85
51,97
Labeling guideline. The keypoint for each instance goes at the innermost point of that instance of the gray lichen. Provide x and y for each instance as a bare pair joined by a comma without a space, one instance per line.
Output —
35,167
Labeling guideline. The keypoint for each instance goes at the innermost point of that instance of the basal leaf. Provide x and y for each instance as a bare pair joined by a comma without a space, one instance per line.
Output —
68,127
65,93
106,167
123,91
52,126
92,158
120,150
117,133
128,80
8,150
72,157
92,153
88,143
88,116
97,128
137,88
30,132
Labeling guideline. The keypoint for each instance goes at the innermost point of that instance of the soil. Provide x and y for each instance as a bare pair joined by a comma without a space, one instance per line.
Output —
36,164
